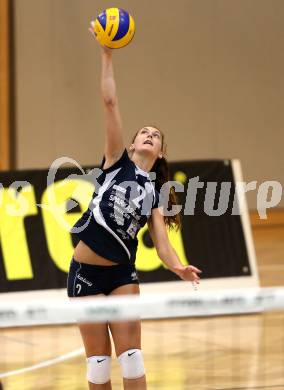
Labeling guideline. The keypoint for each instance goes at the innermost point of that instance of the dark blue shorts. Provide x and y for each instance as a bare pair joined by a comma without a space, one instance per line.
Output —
87,279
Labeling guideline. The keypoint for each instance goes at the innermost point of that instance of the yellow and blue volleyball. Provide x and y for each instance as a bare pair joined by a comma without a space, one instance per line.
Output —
114,28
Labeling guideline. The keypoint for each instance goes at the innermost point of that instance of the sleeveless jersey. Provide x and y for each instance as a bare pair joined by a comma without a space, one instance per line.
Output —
120,206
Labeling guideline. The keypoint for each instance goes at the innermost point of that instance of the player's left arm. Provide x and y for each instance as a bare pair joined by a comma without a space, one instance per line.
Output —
165,250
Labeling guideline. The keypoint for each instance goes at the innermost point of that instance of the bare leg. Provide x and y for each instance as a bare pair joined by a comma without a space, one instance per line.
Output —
127,335
96,341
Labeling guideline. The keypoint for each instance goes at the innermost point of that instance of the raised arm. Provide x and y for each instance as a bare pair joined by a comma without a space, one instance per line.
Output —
165,250
114,145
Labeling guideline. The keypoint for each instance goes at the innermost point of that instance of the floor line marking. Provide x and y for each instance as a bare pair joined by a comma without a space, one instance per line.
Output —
45,363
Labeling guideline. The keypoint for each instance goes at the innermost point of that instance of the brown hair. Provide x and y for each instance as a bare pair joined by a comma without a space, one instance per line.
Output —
161,168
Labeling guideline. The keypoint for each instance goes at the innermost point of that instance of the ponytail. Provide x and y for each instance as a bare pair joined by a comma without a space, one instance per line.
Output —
161,168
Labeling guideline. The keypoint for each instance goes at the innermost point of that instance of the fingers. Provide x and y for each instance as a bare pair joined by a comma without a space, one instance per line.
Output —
195,269
192,274
196,278
91,29
92,32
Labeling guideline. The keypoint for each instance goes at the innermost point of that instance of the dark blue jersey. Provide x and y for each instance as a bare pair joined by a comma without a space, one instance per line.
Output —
121,204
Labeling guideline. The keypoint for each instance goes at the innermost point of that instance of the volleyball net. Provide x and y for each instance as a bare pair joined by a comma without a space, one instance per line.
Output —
147,306
223,339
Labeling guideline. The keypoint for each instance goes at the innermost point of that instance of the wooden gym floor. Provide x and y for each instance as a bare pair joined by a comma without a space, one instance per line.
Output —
216,353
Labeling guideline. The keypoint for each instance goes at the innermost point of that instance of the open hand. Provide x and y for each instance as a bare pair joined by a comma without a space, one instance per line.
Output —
105,49
189,273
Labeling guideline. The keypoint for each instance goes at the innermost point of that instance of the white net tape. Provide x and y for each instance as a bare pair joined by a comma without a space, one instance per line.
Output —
147,306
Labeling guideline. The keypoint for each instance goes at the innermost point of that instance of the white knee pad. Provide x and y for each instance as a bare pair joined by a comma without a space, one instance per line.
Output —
132,365
98,369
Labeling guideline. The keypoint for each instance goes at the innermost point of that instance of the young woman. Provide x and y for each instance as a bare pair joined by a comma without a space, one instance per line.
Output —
104,259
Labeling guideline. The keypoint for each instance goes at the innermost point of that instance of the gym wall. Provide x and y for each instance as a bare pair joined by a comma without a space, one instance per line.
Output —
209,73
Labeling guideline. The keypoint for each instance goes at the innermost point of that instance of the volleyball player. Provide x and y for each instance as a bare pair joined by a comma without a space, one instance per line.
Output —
104,259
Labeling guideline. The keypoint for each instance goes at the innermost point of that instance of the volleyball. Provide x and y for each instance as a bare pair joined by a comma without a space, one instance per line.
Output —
114,28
